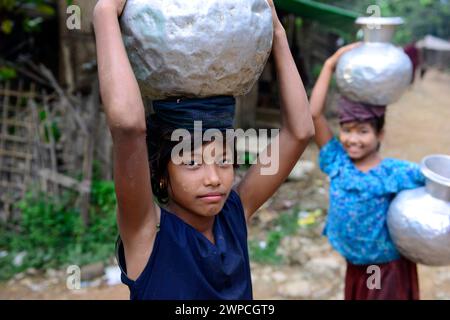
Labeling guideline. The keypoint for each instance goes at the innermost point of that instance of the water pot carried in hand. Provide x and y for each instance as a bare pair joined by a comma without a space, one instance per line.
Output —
419,219
197,48
377,72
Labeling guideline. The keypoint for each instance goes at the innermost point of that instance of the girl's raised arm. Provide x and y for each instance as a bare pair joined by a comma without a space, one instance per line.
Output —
296,131
319,96
122,102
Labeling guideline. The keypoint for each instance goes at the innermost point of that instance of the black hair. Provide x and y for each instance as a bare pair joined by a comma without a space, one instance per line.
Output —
377,123
159,147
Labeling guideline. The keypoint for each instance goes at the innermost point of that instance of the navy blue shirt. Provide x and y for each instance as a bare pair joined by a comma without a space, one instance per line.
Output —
185,265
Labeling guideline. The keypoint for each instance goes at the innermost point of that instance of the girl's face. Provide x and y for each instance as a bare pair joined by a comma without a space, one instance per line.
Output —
359,139
202,183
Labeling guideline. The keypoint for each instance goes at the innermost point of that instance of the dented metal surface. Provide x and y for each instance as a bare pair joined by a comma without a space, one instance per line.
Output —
197,48
377,72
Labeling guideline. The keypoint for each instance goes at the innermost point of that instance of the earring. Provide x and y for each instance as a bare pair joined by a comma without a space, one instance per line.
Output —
161,184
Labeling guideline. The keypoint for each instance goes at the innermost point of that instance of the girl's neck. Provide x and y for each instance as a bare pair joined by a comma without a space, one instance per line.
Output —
368,162
203,224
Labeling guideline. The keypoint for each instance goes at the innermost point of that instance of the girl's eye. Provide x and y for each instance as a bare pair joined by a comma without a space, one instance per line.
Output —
224,162
191,164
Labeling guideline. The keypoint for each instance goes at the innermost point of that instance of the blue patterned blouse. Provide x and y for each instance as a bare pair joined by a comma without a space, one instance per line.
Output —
359,201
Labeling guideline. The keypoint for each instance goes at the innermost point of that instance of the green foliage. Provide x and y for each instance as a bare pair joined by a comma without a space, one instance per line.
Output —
7,73
265,251
47,223
50,129
422,16
317,68
249,159
52,234
7,26
29,14
293,223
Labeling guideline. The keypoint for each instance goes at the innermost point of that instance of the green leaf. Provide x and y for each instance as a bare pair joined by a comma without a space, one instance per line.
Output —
7,73
8,5
31,25
45,9
7,26
426,2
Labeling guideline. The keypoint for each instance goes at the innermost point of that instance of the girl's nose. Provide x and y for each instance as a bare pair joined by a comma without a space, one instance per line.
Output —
211,175
353,138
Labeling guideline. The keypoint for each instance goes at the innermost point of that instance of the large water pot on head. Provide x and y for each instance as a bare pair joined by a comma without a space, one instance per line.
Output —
197,48
419,219
377,72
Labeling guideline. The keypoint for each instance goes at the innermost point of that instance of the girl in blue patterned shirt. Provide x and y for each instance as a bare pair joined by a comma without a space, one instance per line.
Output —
362,185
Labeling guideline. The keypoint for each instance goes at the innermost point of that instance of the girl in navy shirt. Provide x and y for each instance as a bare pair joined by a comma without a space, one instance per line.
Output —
193,245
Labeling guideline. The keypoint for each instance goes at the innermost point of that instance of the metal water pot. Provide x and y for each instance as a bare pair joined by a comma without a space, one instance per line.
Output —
419,219
377,72
197,48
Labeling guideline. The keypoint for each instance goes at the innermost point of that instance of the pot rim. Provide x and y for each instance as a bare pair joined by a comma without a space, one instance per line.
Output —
430,174
385,21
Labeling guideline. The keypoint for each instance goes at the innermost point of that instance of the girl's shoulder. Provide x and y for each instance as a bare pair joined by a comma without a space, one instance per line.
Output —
333,158
332,146
233,208
397,165
402,174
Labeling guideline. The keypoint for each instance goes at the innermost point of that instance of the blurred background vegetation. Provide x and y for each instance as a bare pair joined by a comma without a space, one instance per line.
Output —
422,16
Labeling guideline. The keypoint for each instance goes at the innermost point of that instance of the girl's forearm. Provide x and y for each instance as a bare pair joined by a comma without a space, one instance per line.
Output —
296,116
319,93
120,93
318,98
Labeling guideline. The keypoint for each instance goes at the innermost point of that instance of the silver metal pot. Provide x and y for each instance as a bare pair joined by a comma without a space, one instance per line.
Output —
377,72
419,219
197,48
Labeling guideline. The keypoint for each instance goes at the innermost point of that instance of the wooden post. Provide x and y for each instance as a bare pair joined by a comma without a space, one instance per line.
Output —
36,141
93,112
4,131
51,145
77,47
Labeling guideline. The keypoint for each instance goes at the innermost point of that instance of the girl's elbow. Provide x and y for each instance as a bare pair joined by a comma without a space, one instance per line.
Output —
127,124
316,115
122,107
309,133
129,128
306,133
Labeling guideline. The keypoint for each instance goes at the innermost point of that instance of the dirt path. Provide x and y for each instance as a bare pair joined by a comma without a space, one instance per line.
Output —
418,125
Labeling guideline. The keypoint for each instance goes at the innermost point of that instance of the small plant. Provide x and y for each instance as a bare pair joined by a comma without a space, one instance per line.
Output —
7,73
266,251
289,223
51,234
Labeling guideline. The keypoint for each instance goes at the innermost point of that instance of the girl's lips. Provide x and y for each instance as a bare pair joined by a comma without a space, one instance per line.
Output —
353,149
212,197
